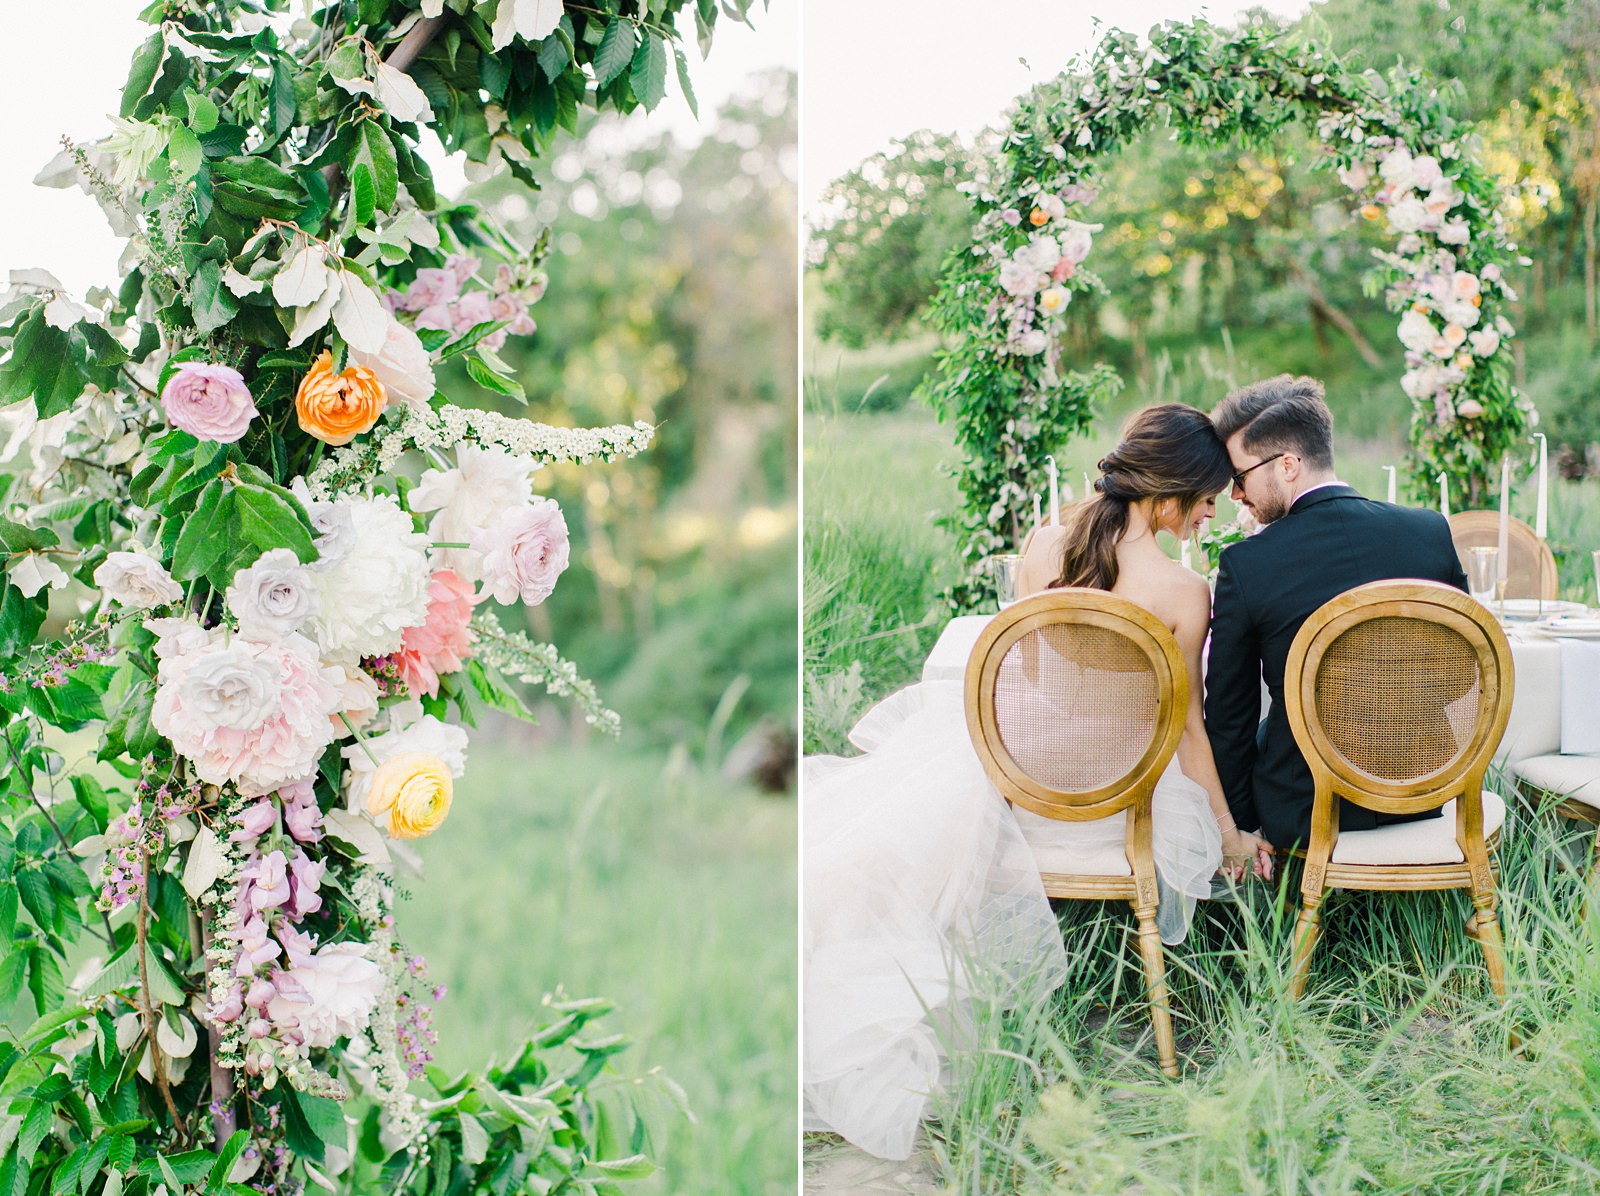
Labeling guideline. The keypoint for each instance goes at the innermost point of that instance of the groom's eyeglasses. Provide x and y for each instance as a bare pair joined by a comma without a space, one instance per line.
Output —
1238,478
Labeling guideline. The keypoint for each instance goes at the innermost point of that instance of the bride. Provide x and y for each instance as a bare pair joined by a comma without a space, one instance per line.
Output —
922,897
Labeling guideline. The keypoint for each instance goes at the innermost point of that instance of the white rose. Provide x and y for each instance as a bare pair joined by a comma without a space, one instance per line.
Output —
1485,341
1416,331
1042,254
1464,284
1032,342
226,685
358,700
1019,279
1455,232
134,580
1422,381
1356,176
1426,174
273,597
336,531
402,366
1398,168
1406,216
1461,312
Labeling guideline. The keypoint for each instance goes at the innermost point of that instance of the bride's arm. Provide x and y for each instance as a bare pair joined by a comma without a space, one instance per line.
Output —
1194,749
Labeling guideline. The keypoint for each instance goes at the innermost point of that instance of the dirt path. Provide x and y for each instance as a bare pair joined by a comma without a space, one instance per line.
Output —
835,1168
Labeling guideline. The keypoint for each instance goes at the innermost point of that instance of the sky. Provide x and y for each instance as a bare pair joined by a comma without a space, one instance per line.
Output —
879,69
62,67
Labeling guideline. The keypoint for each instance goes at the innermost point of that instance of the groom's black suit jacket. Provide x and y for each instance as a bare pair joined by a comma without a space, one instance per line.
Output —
1331,540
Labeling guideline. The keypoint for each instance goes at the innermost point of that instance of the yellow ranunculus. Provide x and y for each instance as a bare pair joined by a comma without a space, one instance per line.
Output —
411,792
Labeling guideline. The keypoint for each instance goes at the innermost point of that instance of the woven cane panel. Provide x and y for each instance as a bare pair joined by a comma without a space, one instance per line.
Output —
1398,698
1076,706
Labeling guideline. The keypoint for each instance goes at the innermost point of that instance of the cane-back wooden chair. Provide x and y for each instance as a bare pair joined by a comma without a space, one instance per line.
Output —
1398,693
1075,701
1531,567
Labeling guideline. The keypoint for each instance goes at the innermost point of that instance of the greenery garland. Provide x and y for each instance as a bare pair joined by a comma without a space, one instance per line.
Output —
1002,302
187,458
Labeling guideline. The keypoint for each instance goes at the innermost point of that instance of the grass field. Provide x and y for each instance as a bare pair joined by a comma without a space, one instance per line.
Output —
632,875
1395,1075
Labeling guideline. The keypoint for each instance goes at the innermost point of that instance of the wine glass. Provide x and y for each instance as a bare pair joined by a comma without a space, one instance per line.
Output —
1483,572
1006,566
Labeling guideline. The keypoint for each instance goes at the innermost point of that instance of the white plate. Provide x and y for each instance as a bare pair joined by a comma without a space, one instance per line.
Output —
1532,608
1572,627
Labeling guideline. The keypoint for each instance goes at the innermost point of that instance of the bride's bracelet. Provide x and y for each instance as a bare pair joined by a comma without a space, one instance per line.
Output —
1230,825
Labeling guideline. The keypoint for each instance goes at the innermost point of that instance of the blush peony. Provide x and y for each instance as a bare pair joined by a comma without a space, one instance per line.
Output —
444,642
485,483
254,714
336,408
524,551
402,365
210,402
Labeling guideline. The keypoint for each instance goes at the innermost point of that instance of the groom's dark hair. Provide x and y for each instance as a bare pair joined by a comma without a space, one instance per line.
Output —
1279,415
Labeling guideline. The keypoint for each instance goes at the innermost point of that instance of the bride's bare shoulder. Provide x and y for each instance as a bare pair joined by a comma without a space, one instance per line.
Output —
1171,592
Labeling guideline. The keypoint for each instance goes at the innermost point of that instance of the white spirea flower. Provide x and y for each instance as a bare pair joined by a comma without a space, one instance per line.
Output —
273,597
408,733
379,587
484,485
328,997
134,580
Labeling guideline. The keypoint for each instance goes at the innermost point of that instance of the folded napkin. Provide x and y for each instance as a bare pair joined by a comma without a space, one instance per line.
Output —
1580,698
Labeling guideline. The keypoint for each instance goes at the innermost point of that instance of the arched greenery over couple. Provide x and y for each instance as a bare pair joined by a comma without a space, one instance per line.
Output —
921,888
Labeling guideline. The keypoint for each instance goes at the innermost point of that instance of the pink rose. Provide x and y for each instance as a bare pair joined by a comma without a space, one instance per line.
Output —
210,402
444,641
524,551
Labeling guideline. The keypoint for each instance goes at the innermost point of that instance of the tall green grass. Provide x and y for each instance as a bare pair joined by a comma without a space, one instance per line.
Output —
1393,1075
634,875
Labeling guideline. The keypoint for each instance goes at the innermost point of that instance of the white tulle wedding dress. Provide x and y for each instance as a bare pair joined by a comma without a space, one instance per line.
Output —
923,900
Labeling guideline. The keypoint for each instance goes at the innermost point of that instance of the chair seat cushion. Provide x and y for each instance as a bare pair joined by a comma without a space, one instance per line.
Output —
1573,776
1055,851
1428,841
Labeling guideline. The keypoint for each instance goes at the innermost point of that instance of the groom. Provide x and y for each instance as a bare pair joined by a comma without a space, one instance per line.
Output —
1319,539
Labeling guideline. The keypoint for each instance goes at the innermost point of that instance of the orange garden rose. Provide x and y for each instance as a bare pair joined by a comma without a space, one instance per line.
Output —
411,792
1039,217
1371,211
336,408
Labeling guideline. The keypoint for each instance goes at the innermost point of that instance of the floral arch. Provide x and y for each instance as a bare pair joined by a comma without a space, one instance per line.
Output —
1002,304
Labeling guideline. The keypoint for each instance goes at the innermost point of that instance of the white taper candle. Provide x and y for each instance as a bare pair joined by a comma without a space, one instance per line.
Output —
1055,495
1504,541
1394,484
1541,514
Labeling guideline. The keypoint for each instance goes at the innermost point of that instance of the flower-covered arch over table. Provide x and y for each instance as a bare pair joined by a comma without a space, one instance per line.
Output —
1408,164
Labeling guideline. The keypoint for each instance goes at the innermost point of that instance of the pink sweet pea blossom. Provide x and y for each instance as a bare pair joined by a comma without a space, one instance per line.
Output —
210,402
432,288
271,877
444,642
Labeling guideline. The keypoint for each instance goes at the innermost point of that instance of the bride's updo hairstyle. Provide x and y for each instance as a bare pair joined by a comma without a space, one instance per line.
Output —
1166,452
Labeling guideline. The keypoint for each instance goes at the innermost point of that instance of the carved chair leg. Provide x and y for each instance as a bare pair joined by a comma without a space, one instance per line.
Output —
1155,968
1306,932
1488,935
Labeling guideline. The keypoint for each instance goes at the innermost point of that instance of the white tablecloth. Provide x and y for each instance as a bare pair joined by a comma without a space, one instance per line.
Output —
1534,728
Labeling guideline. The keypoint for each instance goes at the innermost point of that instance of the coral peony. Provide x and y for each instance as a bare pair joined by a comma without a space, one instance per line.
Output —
411,794
336,408
210,402
444,641
524,551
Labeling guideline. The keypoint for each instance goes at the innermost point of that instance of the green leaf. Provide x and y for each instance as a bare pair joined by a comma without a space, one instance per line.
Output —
17,537
142,73
204,535
487,378
496,691
44,980
46,363
20,619
202,112
554,54
614,53
13,971
183,154
226,1158
8,913
213,304
684,81
270,519
376,152
364,192
634,1167
281,98
474,1140
129,732
649,75
121,972
311,1122
38,897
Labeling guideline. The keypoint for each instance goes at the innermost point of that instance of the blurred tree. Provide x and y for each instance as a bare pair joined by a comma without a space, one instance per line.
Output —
672,298
889,224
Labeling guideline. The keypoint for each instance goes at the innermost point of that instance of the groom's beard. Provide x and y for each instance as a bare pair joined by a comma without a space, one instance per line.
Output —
1271,508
